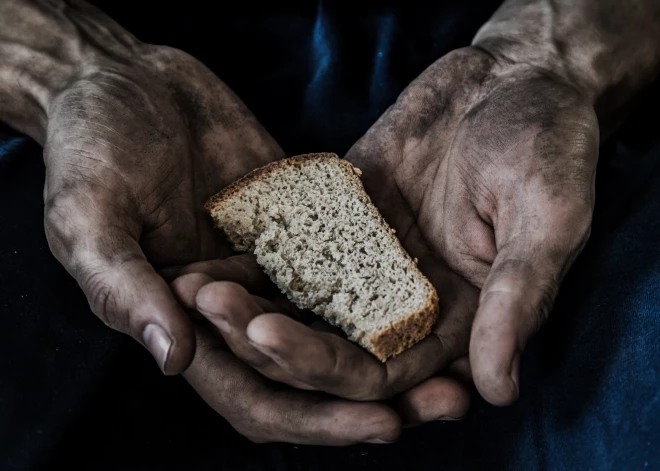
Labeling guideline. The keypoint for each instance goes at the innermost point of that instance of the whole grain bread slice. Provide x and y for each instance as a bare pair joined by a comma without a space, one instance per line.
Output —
319,237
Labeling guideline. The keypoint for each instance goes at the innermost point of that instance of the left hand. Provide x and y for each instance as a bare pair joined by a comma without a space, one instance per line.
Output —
489,165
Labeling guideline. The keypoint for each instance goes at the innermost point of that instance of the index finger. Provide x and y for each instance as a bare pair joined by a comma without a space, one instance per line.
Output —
329,363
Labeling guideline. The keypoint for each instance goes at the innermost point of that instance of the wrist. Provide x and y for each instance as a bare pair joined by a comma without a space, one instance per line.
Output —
514,52
26,91
605,49
45,46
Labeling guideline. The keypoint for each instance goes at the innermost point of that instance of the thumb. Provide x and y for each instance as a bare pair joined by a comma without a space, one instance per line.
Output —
515,302
122,287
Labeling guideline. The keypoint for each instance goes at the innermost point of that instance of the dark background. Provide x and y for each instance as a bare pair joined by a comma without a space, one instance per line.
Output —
75,394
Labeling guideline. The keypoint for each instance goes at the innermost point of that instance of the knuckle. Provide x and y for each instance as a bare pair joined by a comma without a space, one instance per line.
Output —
377,386
104,301
258,362
513,266
333,374
546,294
333,371
329,373
377,390
60,214
451,344
55,207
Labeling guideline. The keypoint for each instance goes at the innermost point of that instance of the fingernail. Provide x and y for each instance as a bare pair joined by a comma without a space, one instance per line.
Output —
446,418
217,320
158,343
262,348
223,325
377,441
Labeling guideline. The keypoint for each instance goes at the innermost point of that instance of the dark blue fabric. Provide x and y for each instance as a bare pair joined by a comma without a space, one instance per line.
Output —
73,392
10,145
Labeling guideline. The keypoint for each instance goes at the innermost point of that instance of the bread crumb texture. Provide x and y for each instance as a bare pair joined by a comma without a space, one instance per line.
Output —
318,236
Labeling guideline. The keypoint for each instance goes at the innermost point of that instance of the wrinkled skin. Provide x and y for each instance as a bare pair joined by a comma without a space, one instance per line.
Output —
132,153
486,170
490,166
485,167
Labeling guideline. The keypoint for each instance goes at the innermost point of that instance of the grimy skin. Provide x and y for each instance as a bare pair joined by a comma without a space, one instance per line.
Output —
485,165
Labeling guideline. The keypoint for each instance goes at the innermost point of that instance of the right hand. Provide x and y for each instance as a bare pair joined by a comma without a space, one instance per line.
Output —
135,143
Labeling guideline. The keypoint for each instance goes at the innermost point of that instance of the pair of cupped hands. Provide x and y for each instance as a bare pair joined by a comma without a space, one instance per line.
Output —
484,166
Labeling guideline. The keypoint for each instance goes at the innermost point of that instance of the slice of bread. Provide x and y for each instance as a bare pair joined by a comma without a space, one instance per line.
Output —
319,237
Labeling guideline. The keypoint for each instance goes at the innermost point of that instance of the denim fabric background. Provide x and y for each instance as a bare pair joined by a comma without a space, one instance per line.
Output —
75,394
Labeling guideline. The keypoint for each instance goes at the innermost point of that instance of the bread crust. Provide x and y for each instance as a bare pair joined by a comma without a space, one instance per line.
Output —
262,173
399,336
407,332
